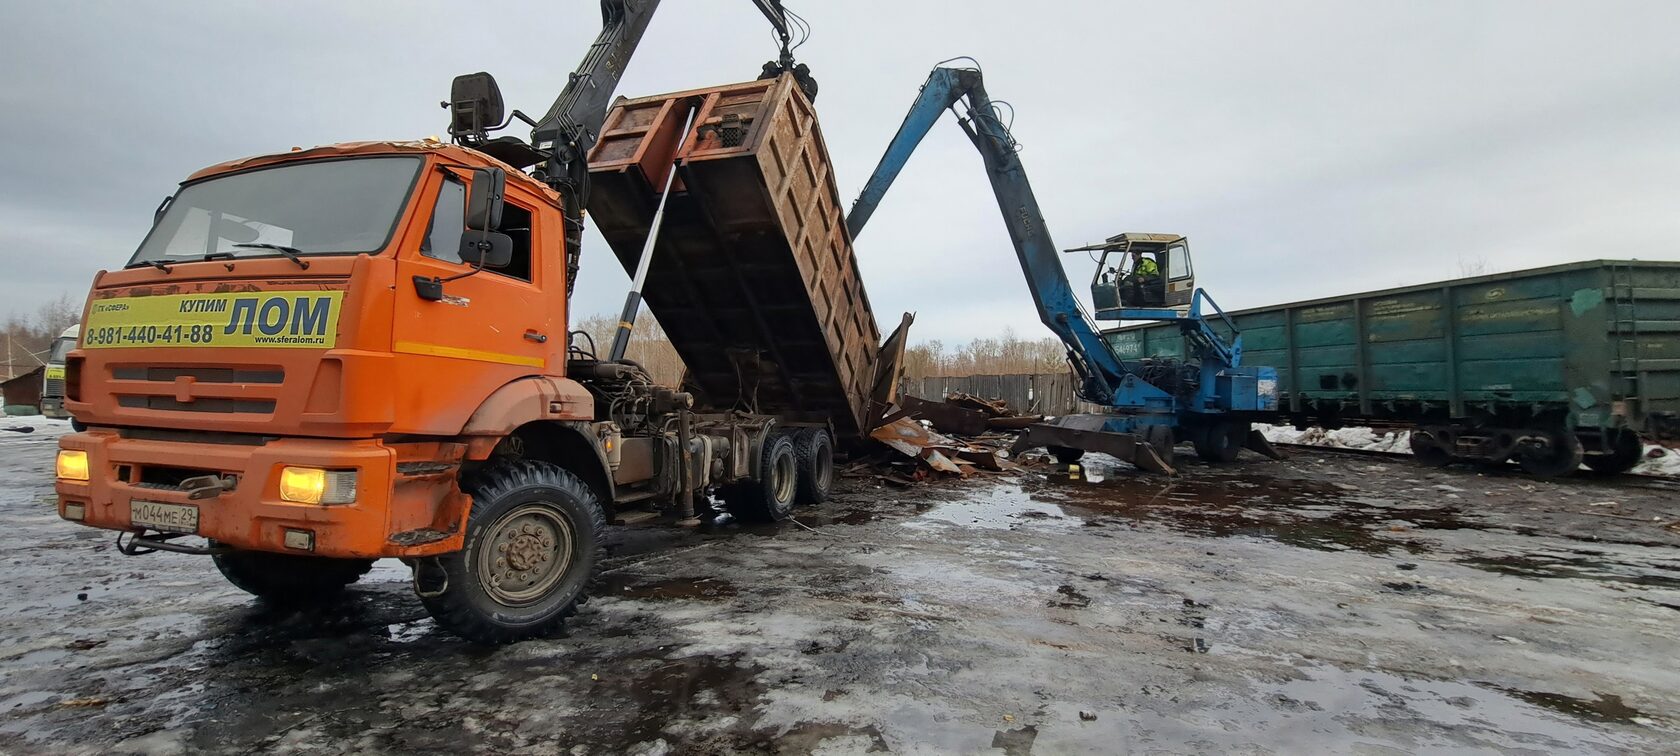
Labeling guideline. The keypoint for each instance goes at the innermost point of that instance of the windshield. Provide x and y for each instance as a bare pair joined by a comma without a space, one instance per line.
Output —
317,208
61,349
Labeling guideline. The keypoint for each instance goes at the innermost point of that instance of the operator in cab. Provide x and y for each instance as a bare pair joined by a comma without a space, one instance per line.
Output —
1144,282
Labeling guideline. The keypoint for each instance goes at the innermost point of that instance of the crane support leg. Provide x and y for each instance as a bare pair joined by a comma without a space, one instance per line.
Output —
1085,432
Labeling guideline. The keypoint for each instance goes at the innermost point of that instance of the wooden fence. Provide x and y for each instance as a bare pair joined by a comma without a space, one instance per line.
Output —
1027,394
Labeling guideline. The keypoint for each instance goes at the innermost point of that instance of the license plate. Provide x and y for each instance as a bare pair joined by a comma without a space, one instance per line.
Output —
169,518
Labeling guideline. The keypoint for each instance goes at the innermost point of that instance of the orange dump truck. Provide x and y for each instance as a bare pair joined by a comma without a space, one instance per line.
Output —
324,357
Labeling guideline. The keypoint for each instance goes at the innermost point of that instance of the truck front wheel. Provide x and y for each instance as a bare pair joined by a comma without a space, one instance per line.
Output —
289,578
532,549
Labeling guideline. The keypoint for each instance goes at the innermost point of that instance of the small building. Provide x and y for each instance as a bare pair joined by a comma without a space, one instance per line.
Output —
23,393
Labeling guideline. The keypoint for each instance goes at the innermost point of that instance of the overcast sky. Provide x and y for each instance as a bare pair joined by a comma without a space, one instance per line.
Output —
1306,148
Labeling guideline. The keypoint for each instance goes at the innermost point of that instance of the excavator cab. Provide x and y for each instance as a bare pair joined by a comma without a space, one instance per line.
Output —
1141,272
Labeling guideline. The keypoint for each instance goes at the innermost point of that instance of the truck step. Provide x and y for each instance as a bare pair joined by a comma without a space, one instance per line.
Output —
634,517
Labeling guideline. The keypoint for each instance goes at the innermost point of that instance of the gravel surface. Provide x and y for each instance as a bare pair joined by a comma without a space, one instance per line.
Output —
1320,604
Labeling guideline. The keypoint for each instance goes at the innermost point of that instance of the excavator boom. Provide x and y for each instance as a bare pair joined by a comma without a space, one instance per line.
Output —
1101,373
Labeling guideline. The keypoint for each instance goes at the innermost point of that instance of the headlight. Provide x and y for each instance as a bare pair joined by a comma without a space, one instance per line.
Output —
312,485
72,464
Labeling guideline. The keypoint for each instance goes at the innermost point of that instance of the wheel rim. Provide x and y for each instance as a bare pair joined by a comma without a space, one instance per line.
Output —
825,468
526,553
784,476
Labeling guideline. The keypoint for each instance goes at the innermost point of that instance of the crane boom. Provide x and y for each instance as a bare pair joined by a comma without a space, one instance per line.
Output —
1101,372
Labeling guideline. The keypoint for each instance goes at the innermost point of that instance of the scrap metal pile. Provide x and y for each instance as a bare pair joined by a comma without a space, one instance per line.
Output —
963,435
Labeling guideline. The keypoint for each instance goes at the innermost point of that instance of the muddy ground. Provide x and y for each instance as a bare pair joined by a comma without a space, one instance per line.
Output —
1327,604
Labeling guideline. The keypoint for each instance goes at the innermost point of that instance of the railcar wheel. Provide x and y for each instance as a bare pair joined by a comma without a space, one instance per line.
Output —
1560,455
1625,451
1428,450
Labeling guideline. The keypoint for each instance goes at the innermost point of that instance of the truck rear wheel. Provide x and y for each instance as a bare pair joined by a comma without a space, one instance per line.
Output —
1625,451
1221,442
769,498
289,578
532,550
814,450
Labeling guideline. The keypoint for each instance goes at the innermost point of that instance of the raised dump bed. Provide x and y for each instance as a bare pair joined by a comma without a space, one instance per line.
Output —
1589,347
753,276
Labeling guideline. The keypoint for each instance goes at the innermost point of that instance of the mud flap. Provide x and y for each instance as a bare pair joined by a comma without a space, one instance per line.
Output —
1258,444
1123,446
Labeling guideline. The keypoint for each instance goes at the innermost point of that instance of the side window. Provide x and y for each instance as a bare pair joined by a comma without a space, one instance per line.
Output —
443,238
516,223
1178,262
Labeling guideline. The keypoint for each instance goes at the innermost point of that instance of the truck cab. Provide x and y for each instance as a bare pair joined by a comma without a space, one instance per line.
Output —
1141,271
272,331
52,382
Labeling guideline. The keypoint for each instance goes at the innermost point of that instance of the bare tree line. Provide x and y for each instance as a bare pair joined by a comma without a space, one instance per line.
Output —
26,337
31,335
648,345
1008,354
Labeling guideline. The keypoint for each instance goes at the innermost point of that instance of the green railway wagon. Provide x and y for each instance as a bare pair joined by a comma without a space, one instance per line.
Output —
1550,367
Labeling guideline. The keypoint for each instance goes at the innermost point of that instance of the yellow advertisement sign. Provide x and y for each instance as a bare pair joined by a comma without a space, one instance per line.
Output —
269,319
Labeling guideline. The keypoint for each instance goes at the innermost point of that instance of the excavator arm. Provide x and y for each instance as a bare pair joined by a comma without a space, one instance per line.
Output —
1104,378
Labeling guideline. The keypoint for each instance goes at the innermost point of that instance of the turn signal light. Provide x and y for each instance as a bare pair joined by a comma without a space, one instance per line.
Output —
312,485
72,464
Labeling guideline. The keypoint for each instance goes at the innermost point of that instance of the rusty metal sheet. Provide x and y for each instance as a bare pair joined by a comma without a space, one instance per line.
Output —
889,368
907,436
753,278
946,417
1013,423
992,407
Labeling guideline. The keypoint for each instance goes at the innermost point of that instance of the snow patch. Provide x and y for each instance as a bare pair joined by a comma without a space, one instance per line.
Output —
1344,438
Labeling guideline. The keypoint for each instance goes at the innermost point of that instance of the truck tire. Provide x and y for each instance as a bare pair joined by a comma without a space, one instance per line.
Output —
814,450
1625,451
1562,456
769,498
532,551
289,578
1066,455
1161,438
1221,442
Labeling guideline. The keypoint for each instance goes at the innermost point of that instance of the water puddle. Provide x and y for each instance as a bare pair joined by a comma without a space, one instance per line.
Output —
1541,565
1604,708
1003,507
632,586
1302,513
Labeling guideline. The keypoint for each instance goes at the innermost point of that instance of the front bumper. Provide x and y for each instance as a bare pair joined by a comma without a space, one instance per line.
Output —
389,510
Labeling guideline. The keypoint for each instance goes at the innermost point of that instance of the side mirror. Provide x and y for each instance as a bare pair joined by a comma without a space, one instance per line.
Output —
484,200
486,249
